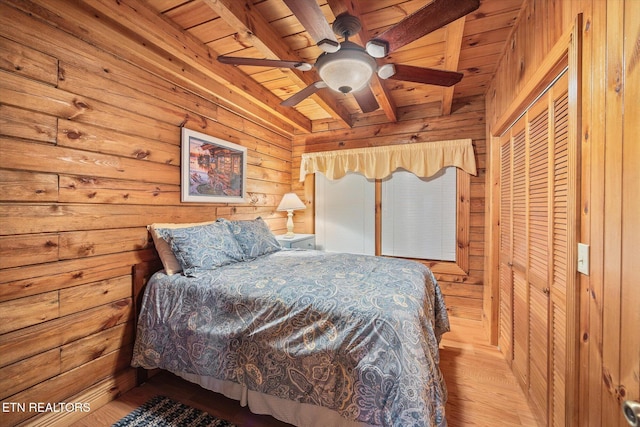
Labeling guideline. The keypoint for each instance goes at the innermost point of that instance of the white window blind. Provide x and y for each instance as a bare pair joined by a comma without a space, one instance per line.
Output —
345,214
419,215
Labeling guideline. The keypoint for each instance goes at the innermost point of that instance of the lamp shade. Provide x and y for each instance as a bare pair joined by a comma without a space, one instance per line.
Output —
347,70
291,201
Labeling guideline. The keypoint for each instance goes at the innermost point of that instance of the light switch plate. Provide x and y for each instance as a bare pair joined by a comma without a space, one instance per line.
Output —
583,258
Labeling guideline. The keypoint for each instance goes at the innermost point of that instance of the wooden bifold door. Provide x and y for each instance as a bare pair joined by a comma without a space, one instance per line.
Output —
534,244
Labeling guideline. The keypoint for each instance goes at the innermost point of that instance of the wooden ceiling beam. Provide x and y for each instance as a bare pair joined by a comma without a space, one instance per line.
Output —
453,39
155,29
252,26
379,90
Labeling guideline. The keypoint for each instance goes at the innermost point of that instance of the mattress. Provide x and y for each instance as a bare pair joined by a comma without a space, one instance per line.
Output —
354,335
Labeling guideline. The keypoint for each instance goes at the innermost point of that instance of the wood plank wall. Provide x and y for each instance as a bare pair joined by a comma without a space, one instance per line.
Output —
89,155
609,344
463,292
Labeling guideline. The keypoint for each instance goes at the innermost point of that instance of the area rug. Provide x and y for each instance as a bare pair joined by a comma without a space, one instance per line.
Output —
162,411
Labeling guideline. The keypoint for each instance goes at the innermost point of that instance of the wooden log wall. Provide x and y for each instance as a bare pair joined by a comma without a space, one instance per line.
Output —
463,292
89,155
607,369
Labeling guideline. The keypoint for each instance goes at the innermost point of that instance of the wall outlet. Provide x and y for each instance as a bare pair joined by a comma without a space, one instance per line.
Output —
583,259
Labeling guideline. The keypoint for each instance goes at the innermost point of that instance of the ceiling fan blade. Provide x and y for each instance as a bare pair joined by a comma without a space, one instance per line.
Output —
296,98
232,60
429,18
312,19
366,100
430,76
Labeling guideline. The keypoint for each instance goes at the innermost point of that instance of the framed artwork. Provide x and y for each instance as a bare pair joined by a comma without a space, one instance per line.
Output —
213,170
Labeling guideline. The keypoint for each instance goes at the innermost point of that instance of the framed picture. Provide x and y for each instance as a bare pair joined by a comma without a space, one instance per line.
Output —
213,170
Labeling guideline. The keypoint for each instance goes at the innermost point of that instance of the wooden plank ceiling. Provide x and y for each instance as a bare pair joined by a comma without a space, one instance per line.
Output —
268,29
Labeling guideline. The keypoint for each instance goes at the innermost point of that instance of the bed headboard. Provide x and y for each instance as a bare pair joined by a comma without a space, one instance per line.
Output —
141,274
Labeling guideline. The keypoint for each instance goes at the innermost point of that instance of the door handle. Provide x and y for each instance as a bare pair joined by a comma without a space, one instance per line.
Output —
631,410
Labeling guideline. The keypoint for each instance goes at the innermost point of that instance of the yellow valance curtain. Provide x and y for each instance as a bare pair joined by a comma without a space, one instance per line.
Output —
423,159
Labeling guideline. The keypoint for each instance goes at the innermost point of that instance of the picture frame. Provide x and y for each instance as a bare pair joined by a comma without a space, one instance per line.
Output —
212,170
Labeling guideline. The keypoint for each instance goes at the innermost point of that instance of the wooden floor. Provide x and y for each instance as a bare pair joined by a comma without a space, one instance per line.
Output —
482,390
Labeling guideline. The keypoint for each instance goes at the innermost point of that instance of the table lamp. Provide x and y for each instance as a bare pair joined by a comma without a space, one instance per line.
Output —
289,203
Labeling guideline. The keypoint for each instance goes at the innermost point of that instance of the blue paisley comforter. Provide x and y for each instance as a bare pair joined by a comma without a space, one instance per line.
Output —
356,334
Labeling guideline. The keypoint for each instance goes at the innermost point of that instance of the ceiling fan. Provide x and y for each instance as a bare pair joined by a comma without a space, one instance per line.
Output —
347,67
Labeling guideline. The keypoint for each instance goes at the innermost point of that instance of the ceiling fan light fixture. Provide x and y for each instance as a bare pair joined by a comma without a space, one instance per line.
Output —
347,70
377,48
385,71
329,46
303,66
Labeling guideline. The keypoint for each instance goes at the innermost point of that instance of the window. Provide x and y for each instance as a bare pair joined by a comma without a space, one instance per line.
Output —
346,218
345,214
419,215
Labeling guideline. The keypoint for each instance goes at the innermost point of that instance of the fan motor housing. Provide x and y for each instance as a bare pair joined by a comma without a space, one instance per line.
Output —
346,25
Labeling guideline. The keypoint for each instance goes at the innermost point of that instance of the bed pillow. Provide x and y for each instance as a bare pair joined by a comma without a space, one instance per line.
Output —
202,247
169,261
254,237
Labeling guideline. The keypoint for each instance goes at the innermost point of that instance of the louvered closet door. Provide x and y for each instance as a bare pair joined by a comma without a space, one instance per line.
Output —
505,338
538,253
519,260
535,206
560,274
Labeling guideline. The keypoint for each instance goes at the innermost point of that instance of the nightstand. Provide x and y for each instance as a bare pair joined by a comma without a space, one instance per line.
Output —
302,241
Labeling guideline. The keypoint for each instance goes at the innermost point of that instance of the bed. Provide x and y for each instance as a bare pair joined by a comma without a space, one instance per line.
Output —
311,338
